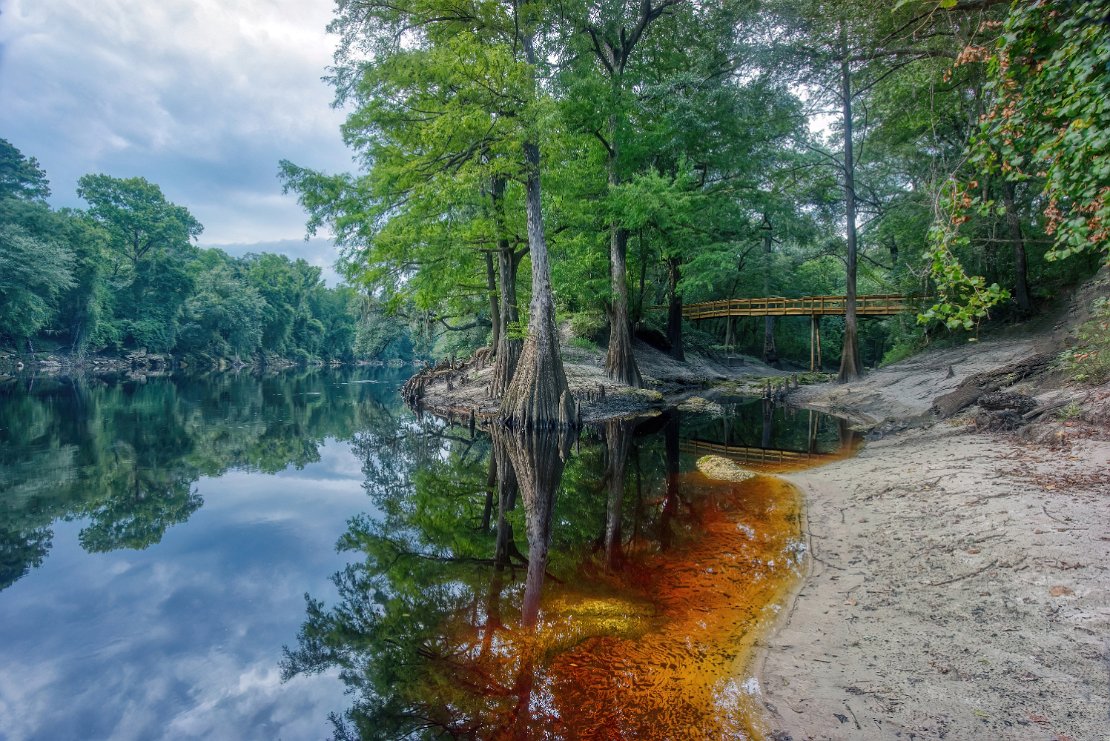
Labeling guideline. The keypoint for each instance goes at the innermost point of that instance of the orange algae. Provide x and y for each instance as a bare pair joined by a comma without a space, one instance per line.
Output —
655,647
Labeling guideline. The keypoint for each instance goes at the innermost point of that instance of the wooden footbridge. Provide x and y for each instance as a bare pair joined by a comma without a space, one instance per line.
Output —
885,304
815,307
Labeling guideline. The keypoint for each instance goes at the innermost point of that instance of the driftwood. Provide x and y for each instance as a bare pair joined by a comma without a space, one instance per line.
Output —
453,373
1008,401
1044,408
988,382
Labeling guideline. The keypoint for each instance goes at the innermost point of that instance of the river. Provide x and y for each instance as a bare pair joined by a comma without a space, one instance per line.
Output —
299,555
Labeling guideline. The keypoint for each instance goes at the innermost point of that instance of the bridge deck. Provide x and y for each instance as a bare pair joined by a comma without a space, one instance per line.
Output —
887,304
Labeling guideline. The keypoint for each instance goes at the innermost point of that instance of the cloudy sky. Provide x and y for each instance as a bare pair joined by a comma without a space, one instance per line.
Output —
202,97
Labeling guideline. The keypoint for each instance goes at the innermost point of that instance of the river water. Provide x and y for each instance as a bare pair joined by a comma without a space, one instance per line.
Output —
300,556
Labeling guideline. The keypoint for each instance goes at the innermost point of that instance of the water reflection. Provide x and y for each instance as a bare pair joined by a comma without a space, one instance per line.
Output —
488,585
131,613
621,613
123,457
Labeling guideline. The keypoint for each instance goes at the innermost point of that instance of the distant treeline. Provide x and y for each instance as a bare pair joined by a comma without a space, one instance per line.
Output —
125,274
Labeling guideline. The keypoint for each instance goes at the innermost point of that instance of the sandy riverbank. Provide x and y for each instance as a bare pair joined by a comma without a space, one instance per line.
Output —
960,581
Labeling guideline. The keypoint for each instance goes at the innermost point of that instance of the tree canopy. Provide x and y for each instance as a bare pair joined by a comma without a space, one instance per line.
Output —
125,275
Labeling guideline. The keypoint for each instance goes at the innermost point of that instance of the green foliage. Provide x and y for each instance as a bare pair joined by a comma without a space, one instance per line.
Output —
223,317
21,177
1089,361
140,222
964,300
905,346
588,325
582,343
1045,129
377,335
124,274
1049,120
33,274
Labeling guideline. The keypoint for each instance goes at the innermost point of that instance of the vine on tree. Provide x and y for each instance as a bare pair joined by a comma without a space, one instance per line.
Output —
1049,90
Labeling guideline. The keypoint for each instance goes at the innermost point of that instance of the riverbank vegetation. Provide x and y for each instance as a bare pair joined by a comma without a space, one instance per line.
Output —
698,151
125,274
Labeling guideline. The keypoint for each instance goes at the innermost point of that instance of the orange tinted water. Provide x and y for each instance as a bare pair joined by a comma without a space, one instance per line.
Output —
655,647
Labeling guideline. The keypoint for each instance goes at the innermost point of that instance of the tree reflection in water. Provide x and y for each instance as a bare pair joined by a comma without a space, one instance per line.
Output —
124,455
623,615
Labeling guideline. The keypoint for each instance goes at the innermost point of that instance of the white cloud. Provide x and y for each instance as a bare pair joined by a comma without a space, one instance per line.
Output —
202,97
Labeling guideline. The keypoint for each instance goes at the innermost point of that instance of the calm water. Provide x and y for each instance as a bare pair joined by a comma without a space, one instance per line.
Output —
235,557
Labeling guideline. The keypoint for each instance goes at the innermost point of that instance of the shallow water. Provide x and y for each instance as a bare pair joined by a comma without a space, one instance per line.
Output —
158,541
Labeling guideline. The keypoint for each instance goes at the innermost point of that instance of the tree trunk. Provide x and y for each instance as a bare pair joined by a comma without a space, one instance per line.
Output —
1021,276
491,487
770,352
987,382
849,355
618,441
620,363
538,395
507,351
768,424
643,279
671,462
537,459
494,309
674,309
506,501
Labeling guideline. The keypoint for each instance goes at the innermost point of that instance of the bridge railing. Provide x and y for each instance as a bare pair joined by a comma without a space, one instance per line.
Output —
887,304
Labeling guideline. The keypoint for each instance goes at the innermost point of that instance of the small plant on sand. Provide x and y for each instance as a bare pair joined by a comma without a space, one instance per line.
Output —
1071,411
583,343
1089,360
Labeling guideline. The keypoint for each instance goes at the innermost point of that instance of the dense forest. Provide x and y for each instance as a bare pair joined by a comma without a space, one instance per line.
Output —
125,274
632,156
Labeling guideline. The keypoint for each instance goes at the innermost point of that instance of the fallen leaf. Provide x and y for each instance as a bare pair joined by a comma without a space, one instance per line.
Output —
1060,591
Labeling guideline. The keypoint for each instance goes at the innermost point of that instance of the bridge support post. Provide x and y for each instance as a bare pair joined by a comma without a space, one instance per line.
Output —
814,342
817,327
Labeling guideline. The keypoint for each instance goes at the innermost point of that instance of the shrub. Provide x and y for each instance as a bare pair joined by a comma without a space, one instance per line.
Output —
1089,360
583,344
589,325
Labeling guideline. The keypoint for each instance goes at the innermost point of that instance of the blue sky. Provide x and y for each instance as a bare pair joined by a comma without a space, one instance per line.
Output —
202,97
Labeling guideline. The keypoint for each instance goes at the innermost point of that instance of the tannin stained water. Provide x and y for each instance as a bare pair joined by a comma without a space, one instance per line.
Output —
656,648
619,604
